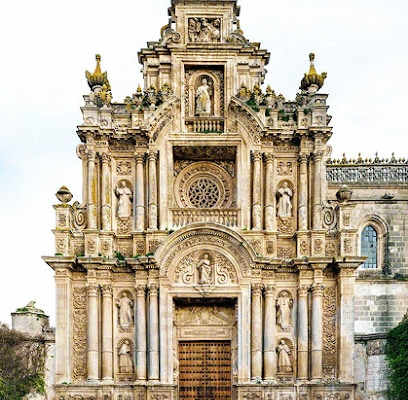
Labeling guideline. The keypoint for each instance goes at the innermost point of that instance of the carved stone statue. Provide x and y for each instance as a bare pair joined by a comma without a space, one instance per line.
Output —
283,305
125,196
125,358
125,305
204,30
203,99
204,270
284,363
284,206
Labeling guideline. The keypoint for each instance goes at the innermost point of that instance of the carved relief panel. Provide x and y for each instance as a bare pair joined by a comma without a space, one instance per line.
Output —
204,269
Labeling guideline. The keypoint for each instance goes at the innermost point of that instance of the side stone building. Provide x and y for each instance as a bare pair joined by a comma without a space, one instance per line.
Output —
218,252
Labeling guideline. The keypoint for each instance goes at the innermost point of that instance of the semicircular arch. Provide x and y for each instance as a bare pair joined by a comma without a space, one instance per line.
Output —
200,238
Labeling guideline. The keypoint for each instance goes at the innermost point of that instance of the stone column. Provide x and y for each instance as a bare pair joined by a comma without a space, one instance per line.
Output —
140,324
269,355
346,282
303,325
93,333
153,155
107,329
256,191
140,196
317,331
153,333
317,190
91,195
106,193
64,322
303,195
270,212
256,329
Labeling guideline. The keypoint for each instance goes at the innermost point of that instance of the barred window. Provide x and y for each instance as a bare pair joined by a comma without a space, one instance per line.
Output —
369,246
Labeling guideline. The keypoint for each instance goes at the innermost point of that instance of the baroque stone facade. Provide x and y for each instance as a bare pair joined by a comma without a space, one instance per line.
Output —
217,252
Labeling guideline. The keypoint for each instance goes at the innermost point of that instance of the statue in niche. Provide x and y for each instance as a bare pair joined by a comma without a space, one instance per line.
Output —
204,270
125,196
283,305
284,206
203,99
284,364
125,358
125,305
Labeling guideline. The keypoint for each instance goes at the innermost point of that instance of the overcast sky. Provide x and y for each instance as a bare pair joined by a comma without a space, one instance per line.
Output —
47,45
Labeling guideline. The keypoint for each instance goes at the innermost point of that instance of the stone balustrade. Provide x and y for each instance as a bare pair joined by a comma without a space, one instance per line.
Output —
367,173
205,125
185,216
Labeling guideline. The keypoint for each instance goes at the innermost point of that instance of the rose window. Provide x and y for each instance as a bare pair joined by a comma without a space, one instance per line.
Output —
203,193
203,185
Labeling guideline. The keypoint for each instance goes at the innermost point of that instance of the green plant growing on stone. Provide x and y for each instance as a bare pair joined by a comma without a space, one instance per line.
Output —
22,364
397,355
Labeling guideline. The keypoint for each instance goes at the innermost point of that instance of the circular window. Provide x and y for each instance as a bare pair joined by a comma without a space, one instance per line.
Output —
203,185
203,193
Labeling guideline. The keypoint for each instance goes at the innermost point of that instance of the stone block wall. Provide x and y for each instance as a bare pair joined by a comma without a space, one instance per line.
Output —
379,305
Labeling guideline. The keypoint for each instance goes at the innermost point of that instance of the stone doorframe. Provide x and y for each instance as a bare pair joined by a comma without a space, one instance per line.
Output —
229,252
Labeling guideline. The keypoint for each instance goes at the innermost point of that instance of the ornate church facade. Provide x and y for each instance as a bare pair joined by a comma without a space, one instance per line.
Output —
218,252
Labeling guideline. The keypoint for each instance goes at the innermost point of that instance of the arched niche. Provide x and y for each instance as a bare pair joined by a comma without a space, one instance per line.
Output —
195,82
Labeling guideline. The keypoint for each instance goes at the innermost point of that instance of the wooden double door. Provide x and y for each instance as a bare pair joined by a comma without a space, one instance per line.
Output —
205,370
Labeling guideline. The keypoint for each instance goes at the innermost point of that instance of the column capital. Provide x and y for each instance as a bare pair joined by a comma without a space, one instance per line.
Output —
153,155
153,288
317,289
256,156
303,290
92,289
90,155
140,290
107,290
105,158
140,158
256,288
270,289
303,158
269,157
317,156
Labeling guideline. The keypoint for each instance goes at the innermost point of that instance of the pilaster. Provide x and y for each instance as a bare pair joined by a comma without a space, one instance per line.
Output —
256,329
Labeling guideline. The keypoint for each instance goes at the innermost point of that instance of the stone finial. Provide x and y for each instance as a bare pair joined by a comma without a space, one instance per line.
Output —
312,81
64,195
97,78
344,194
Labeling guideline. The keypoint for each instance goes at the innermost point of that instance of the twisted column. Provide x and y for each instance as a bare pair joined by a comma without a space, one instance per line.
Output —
269,355
256,329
